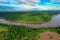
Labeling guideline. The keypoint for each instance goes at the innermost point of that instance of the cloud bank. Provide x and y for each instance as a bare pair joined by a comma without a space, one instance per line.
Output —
27,5
25,2
28,2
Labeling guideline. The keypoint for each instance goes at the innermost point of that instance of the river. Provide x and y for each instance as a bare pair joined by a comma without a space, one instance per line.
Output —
55,22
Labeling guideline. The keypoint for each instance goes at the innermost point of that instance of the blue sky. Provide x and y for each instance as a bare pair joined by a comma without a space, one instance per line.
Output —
25,5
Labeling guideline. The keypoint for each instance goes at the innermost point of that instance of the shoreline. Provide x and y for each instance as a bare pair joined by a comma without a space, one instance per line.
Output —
27,22
30,25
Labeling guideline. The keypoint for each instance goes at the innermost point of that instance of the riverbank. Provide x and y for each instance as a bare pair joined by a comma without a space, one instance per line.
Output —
28,22
55,22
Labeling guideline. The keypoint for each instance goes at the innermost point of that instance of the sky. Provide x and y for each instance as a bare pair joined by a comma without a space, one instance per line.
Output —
28,5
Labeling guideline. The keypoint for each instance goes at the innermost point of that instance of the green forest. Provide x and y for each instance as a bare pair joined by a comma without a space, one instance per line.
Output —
27,16
13,32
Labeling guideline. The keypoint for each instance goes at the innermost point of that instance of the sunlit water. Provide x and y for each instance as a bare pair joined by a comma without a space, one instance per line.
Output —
55,22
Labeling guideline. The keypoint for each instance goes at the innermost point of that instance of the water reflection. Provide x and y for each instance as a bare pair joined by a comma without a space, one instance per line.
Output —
55,22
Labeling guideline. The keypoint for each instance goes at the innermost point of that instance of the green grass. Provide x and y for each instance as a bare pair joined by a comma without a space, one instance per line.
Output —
3,29
12,32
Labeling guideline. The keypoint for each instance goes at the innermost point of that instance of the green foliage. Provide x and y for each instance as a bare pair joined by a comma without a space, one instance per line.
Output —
27,16
58,30
14,32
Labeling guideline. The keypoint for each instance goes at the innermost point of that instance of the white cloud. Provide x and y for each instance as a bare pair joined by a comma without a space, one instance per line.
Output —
30,8
28,2
23,7
55,0
3,0
25,2
48,3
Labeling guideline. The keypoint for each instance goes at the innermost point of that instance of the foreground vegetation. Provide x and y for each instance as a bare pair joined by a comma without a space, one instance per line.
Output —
27,16
13,32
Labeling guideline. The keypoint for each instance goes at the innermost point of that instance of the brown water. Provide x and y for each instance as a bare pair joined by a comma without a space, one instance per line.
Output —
55,22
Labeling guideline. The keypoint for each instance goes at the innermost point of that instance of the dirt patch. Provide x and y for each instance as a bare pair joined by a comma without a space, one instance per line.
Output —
49,36
1,38
27,22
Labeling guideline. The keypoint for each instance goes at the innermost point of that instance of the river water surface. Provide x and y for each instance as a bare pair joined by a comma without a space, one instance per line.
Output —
55,22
